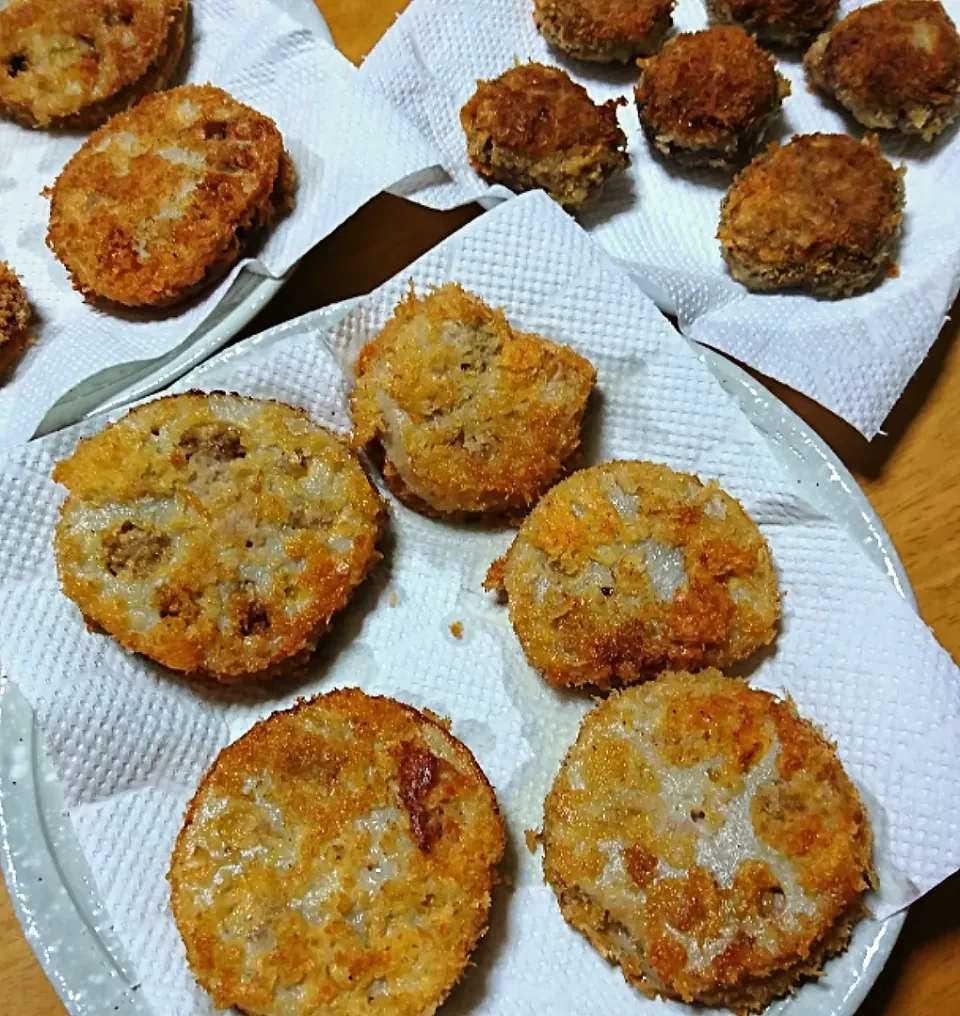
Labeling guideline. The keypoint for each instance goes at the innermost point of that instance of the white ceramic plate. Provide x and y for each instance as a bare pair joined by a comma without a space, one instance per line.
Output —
50,885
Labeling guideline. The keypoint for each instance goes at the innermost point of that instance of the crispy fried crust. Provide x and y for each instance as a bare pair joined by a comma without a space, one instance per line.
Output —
338,858
74,63
783,22
164,197
706,838
216,534
471,416
895,65
604,31
628,567
14,317
822,213
534,128
707,97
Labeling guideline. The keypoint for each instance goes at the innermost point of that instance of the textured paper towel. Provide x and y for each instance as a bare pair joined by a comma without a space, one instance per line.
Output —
130,741
347,144
854,356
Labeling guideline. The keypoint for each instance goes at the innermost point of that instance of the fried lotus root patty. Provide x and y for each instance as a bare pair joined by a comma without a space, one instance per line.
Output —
216,534
164,197
629,567
74,63
471,416
14,317
338,858
534,128
822,213
705,837
707,97
604,31
781,22
894,65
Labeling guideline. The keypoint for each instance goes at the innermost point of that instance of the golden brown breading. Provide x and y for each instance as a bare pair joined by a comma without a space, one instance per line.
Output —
895,65
338,858
74,63
533,128
14,317
471,416
604,31
165,197
822,213
707,97
782,22
628,567
705,837
217,534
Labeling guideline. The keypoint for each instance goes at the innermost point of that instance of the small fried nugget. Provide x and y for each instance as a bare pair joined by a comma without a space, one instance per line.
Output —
705,837
216,534
472,418
165,197
629,567
74,63
895,65
604,31
14,317
822,213
780,22
338,859
533,128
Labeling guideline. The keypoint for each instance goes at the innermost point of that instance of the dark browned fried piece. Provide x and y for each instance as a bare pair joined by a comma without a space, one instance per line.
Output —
604,31
782,22
14,317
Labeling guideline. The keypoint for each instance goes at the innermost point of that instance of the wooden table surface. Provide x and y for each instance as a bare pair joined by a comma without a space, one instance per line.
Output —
911,475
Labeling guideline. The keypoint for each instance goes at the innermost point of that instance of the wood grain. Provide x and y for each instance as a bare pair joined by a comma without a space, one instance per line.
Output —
911,475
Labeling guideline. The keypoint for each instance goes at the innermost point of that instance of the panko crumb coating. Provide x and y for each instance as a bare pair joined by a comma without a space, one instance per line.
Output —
705,837
894,65
534,128
74,63
822,213
604,31
471,417
779,22
707,97
216,534
14,318
338,858
629,567
164,198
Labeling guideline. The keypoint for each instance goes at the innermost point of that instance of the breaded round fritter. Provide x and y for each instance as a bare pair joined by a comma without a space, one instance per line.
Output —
164,198
217,534
533,128
895,65
629,567
781,22
705,837
14,317
707,97
337,859
74,63
822,213
604,31
471,416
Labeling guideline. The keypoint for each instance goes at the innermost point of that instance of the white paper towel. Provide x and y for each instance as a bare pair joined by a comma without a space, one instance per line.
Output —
130,740
854,356
345,139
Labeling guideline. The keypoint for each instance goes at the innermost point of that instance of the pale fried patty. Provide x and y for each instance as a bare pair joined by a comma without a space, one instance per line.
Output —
216,534
14,317
74,63
894,65
822,213
604,31
471,416
707,97
705,837
164,197
534,128
782,22
337,859
628,567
